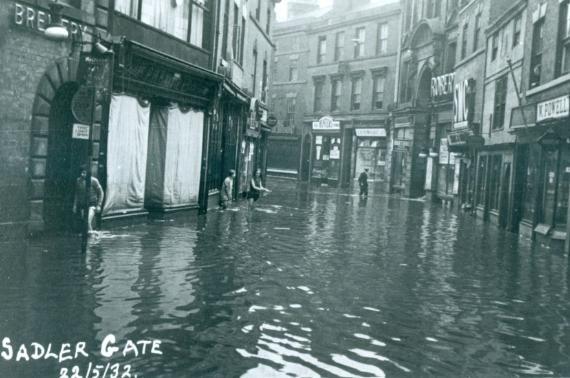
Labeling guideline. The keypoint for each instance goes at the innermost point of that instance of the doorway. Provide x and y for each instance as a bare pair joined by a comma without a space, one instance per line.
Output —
306,159
65,156
505,189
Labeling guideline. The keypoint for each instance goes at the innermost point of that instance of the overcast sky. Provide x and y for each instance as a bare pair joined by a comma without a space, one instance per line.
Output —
281,8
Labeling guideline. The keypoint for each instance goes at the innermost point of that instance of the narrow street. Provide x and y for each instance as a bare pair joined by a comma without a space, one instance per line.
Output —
313,282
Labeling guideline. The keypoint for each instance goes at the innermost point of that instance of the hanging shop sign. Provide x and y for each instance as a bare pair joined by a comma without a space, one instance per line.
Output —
373,133
326,123
553,109
83,103
38,20
463,103
442,86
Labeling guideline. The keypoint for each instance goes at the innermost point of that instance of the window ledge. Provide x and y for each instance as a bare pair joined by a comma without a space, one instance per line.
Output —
551,84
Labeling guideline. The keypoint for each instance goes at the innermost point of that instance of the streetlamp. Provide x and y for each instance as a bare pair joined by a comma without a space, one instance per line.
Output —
85,100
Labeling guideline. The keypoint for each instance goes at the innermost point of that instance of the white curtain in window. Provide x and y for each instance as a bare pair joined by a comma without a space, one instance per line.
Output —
183,157
128,7
126,155
170,16
197,25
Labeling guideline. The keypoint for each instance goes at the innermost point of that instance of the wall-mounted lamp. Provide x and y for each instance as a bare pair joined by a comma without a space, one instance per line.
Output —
56,30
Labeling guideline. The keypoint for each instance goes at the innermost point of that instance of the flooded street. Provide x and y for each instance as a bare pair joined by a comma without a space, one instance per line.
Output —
313,282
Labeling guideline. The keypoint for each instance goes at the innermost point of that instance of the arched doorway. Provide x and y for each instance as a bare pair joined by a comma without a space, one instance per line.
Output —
54,155
64,157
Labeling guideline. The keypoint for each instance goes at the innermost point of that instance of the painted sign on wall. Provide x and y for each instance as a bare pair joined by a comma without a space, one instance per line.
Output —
553,109
463,103
442,85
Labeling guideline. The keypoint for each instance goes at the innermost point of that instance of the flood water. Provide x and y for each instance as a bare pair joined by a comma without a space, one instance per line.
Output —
314,282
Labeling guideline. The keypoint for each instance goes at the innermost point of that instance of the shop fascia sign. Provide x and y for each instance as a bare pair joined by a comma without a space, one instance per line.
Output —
463,103
378,133
326,123
553,109
442,86
38,20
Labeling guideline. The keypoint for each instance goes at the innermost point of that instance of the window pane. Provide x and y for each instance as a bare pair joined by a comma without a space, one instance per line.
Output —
170,17
197,25
128,7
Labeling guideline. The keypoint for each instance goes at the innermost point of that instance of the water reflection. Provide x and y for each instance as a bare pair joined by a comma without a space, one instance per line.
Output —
314,282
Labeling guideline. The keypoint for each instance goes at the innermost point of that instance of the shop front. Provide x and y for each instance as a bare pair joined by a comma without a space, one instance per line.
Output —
326,152
546,155
370,153
155,135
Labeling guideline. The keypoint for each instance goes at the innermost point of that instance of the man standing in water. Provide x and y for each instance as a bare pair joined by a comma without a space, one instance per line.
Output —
226,194
95,200
363,183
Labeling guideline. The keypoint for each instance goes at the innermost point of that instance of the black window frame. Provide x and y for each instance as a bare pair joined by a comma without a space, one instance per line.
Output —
336,99
321,49
500,102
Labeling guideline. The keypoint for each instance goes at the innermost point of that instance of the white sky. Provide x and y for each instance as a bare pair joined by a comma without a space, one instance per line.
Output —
281,8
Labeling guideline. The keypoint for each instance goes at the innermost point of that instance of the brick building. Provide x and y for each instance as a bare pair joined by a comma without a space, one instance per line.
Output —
245,56
338,72
290,94
541,125
176,107
496,193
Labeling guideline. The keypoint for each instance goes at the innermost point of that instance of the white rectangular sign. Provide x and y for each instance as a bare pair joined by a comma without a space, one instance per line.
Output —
379,133
80,131
553,109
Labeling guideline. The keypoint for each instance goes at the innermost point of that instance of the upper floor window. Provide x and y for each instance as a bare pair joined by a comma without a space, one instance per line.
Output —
322,49
382,46
238,35
359,39
564,39
268,23
189,20
293,70
477,32
339,46
318,100
536,53
517,30
450,61
336,94
258,10
464,41
378,94
500,102
291,109
494,46
356,94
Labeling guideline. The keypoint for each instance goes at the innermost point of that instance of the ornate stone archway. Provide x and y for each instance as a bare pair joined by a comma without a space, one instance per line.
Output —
61,73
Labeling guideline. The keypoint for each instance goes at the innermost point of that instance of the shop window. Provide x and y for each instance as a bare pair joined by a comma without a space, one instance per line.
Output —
359,39
481,180
477,32
531,182
318,100
336,94
561,213
517,30
536,53
500,102
322,49
564,39
464,41
382,42
378,94
339,46
293,70
494,181
356,94
494,46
